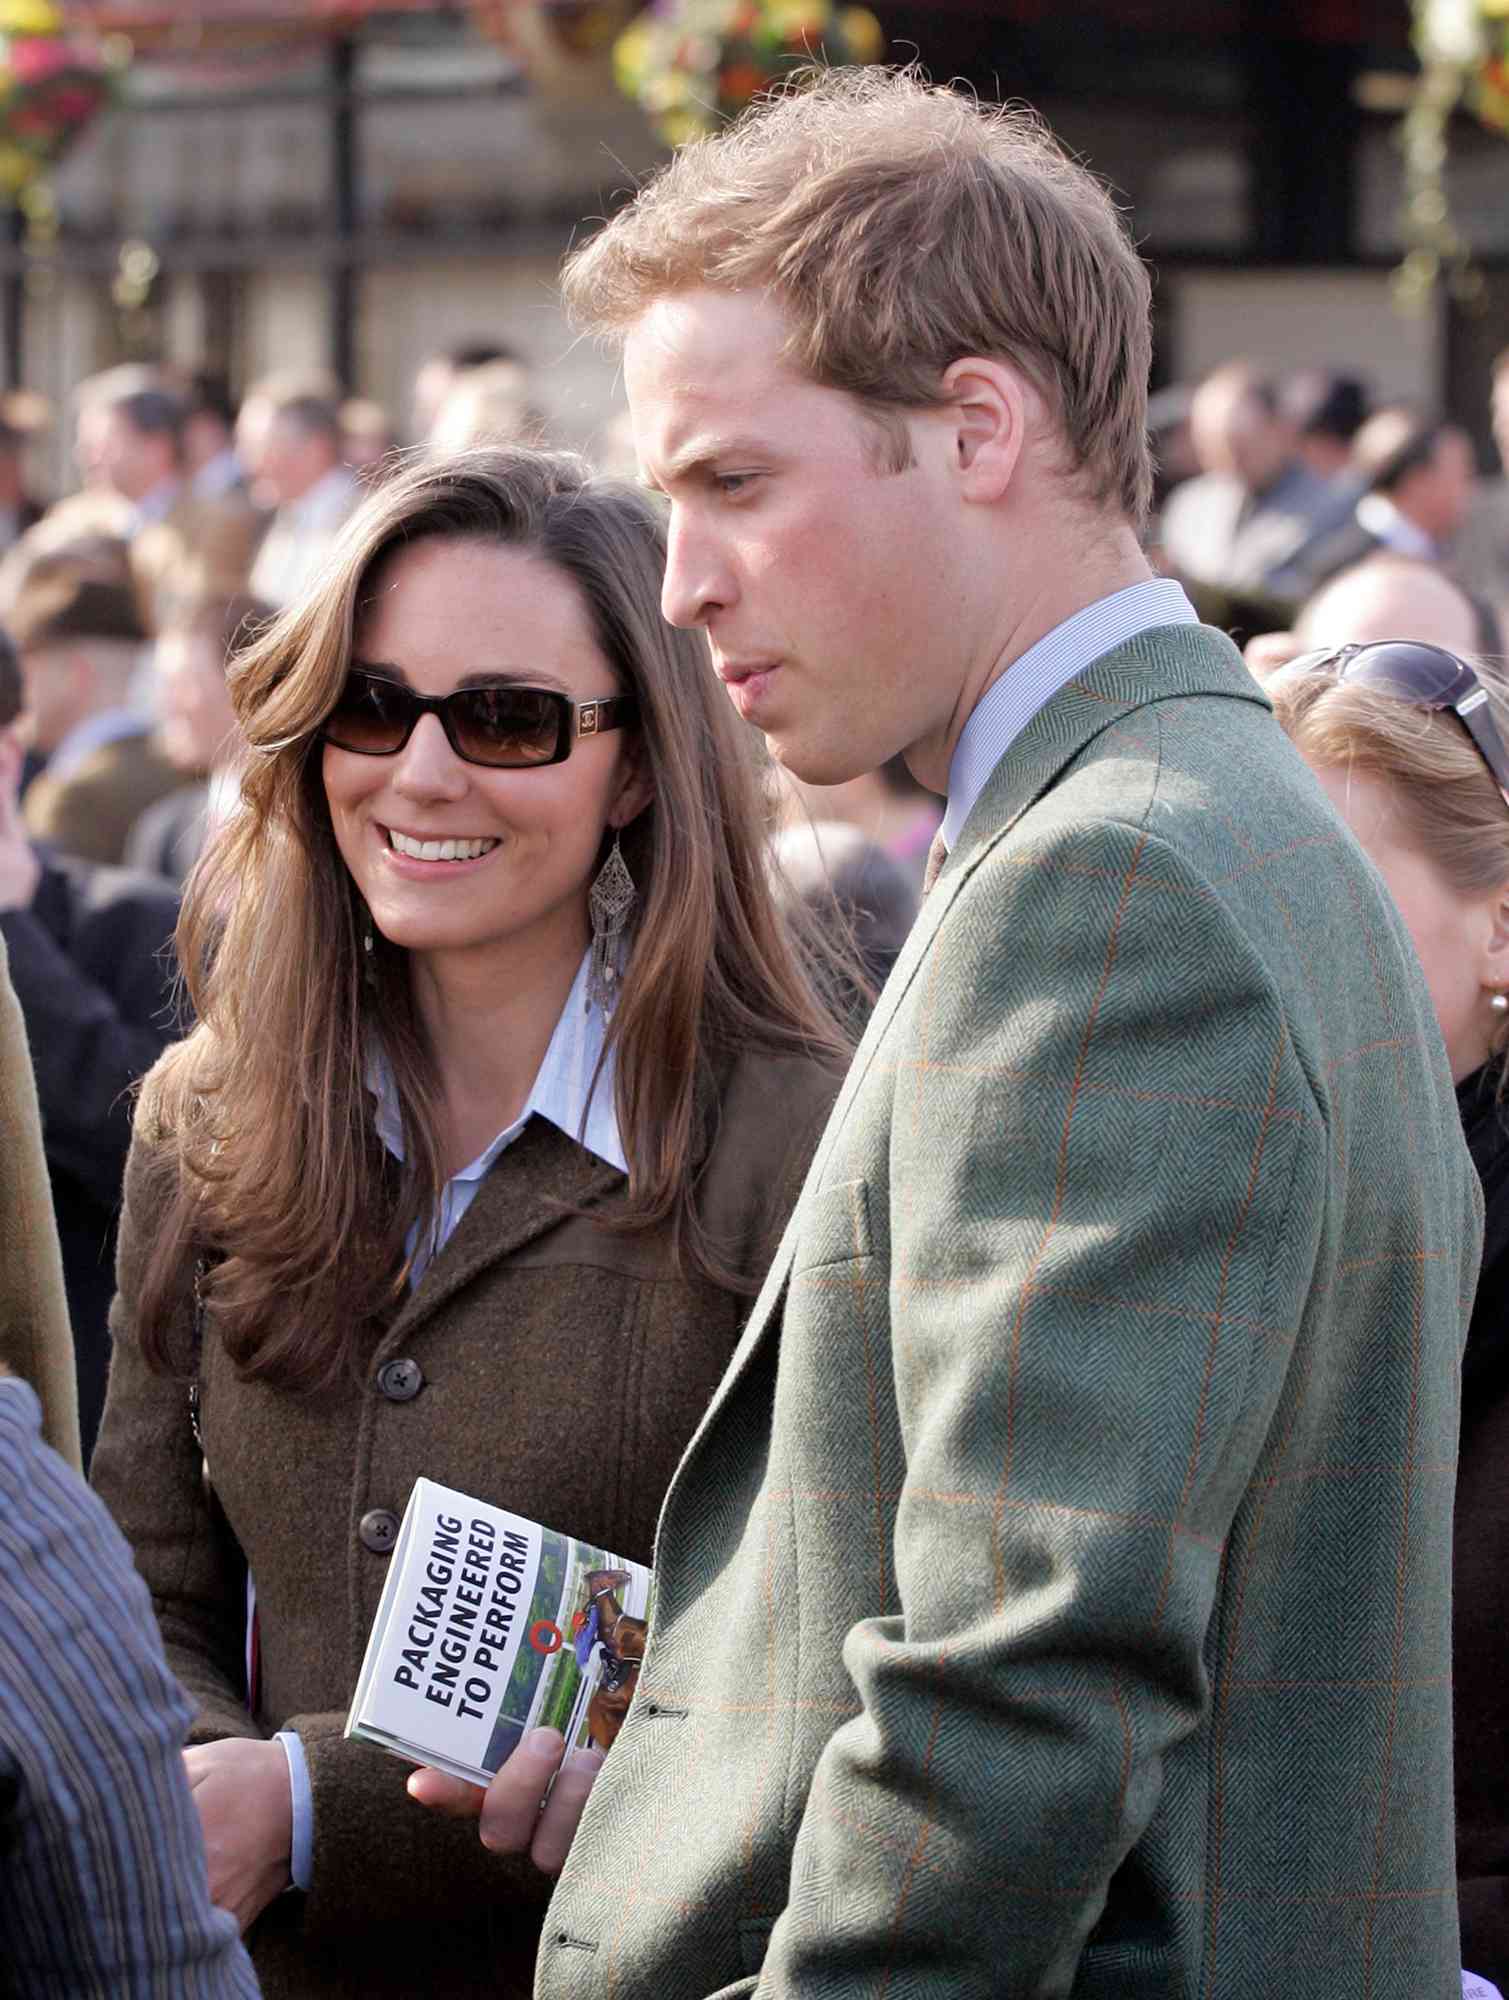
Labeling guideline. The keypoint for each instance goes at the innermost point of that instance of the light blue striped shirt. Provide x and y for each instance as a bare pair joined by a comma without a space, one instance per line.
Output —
106,1888
1029,683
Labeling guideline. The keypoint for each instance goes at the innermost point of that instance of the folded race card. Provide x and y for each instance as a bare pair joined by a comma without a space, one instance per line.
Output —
490,1626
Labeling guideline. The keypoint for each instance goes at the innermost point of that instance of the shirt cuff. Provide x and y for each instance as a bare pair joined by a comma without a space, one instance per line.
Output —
301,1858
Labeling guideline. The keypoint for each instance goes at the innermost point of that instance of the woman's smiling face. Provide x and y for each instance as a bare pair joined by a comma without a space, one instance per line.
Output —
521,846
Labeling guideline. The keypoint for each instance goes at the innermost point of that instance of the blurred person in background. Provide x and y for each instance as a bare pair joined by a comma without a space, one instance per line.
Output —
1424,790
21,415
439,373
1327,411
486,405
1482,551
259,406
454,1177
211,463
1383,597
368,440
133,445
299,465
81,641
91,962
1417,475
197,730
861,899
1255,502
888,807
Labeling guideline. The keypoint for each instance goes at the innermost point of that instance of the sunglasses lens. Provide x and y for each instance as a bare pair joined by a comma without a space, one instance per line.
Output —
507,727
371,716
1416,672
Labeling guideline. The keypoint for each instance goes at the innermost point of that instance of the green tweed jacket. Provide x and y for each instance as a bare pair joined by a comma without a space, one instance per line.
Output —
36,1341
1055,1598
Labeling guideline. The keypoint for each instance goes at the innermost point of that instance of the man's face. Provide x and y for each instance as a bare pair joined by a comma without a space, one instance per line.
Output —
1445,485
292,461
112,452
828,586
1233,432
1500,408
56,696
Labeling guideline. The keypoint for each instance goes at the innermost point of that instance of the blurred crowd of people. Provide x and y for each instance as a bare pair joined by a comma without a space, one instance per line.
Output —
1290,505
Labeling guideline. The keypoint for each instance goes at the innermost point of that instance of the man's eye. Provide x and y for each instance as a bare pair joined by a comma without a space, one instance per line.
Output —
730,483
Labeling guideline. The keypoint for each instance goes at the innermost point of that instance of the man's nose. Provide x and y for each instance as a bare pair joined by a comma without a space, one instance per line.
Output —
696,577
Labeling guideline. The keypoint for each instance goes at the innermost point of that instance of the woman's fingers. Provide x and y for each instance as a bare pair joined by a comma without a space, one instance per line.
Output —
453,1796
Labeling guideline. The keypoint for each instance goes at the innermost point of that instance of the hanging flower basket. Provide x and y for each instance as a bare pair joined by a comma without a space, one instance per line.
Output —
1488,91
52,87
694,64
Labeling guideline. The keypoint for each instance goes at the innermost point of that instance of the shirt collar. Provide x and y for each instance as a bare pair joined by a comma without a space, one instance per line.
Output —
1028,684
328,494
1378,514
559,1092
158,504
107,725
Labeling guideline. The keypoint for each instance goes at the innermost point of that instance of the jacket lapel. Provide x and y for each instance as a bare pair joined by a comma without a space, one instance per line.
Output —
530,1188
1166,663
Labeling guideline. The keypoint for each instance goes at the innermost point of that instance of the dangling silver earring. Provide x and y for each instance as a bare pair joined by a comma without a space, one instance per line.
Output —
610,901
369,964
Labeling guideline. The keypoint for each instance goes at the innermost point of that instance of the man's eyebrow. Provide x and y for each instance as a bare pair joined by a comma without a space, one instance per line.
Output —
702,454
485,677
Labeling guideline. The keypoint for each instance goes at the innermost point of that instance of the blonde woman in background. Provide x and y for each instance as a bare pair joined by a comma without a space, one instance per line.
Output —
1409,742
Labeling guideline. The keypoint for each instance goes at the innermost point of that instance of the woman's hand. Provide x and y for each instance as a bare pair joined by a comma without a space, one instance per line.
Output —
509,1810
245,1801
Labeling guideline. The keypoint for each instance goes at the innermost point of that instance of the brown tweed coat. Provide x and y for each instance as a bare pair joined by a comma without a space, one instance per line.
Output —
563,1369
35,1341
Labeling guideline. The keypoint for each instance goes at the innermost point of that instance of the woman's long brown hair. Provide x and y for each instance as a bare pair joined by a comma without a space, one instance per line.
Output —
268,1162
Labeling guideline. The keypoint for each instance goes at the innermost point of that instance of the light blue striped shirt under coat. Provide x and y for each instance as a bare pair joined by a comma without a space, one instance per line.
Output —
106,1888
1004,710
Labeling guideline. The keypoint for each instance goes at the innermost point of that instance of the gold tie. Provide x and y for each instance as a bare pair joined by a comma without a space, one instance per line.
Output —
937,854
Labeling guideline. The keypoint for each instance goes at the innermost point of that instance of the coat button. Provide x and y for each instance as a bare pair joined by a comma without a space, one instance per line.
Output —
378,1531
400,1381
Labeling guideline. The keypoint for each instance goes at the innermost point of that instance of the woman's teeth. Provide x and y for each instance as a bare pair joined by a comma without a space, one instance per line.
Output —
438,850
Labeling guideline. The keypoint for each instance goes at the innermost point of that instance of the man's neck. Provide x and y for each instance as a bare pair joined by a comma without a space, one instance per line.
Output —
1056,595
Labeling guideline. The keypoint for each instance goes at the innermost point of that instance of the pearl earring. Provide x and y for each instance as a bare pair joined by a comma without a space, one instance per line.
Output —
1499,1002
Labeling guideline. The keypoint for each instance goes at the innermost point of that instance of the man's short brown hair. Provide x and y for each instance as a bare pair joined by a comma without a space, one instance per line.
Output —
902,226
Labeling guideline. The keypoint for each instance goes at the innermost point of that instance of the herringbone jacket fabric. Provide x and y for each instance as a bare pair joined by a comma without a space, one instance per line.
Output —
1055,1598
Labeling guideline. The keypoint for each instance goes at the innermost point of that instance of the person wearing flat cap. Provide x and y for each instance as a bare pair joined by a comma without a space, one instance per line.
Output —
79,636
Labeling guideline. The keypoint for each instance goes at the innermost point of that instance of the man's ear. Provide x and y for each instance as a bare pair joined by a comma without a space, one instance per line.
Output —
986,406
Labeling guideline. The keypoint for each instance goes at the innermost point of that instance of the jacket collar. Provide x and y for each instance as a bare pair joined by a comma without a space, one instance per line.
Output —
535,1184
1167,663
1160,665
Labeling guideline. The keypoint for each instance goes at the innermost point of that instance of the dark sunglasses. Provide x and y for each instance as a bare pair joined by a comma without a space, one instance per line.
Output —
504,728
1428,677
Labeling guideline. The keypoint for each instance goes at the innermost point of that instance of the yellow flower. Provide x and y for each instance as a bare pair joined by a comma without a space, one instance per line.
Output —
30,17
16,168
865,36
